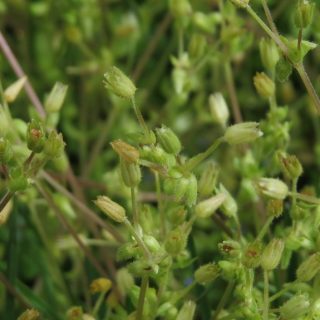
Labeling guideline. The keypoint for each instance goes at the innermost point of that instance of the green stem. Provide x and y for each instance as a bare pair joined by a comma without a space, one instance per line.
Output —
135,216
143,291
269,17
139,116
305,197
183,293
6,198
294,197
281,292
98,303
195,161
266,295
224,299
300,38
160,205
264,229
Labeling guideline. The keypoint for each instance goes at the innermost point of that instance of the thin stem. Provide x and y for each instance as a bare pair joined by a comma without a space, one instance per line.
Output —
224,299
139,116
281,292
305,197
269,17
142,295
264,229
160,205
98,303
135,215
266,295
195,161
300,34
6,198
180,42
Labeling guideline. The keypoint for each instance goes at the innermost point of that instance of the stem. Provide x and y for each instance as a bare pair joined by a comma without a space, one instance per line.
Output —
183,293
134,207
195,161
269,17
266,295
180,42
282,291
160,206
6,198
264,229
223,300
300,38
139,116
305,197
98,304
143,291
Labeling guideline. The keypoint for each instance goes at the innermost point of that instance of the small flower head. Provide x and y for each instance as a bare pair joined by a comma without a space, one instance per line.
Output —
11,93
295,308
111,209
56,97
271,254
187,311
242,133
309,268
219,109
125,151
273,188
264,85
290,165
168,140
118,83
54,145
241,3
75,313
30,314
304,14
36,136
269,53
230,248
206,273
206,208
100,285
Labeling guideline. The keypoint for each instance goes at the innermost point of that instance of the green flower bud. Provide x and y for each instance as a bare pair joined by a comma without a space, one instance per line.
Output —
197,45
191,191
140,268
152,244
54,145
11,93
206,208
56,97
230,248
290,165
187,311
118,83
272,253
304,14
206,273
252,255
100,285
167,311
219,109
17,180
274,208
180,8
241,3
130,173
264,85
269,53
157,155
208,179
111,209
125,151
75,313
36,136
309,268
128,251
30,314
273,188
168,140
176,241
229,270
205,22
295,308
242,133
6,152
229,207
176,215
124,281
283,70
179,76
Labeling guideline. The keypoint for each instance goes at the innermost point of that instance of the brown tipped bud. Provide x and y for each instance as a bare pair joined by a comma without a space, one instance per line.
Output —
111,208
125,151
275,208
290,165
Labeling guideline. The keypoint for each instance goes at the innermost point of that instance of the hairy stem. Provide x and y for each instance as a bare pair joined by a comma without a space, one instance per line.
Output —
142,295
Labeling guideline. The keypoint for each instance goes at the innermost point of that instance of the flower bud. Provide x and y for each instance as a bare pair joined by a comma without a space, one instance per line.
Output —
179,76
180,8
75,313
168,140
100,285
272,253
176,241
157,155
130,173
309,268
206,273
118,83
111,209
29,314
283,70
241,3
206,208
152,244
273,188
177,214
295,308
304,14
269,53
36,136
229,270
290,165
230,248
187,311
54,145
128,251
124,281
167,311
219,109
274,208
17,180
208,179
242,133
264,85
252,255
229,207
141,268
11,93
197,45
56,97
125,151
6,152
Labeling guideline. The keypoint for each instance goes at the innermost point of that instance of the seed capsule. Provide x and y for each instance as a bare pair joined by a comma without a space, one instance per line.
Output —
272,253
309,268
206,273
